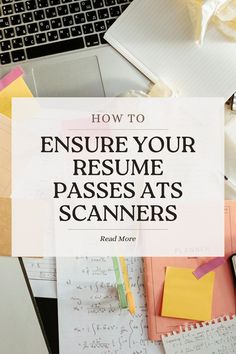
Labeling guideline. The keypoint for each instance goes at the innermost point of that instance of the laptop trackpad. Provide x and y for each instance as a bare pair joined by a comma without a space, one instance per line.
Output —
63,77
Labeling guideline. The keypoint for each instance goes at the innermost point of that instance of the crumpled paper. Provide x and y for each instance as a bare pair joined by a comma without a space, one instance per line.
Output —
220,12
159,89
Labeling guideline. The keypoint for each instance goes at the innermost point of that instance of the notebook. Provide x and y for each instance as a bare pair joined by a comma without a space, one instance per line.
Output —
158,38
216,337
223,296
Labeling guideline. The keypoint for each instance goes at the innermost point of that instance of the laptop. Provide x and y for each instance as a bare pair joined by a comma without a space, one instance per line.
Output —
60,45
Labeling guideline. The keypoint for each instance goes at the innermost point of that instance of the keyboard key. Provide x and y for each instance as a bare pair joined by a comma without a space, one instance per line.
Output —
74,8
65,1
9,32
32,28
51,12
31,5
15,20
103,13
1,35
91,16
18,55
62,10
7,10
56,23
124,7
19,7
52,36
17,43
4,22
88,28
40,38
5,58
97,4
115,11
20,30
27,17
29,40
67,21
76,31
64,33
6,45
122,1
110,22
100,26
44,25
55,48
79,19
92,40
54,2
39,15
42,3
102,40
86,5
110,2
6,1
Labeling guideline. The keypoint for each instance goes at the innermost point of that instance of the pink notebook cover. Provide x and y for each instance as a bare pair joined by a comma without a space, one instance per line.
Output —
224,293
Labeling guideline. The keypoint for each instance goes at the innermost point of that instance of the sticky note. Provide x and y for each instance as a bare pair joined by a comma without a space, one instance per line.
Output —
187,297
17,88
5,157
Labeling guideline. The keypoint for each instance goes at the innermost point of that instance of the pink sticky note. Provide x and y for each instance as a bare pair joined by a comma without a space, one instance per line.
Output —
10,77
208,267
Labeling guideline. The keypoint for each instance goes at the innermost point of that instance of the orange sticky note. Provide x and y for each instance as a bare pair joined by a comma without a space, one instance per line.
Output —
187,297
17,88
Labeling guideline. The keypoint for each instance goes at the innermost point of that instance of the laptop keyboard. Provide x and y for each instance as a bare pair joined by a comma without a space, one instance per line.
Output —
36,28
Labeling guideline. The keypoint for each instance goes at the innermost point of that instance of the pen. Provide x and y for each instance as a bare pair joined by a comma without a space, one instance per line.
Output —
129,295
119,284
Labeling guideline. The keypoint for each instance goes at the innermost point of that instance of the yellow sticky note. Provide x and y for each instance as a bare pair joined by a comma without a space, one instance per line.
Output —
5,157
187,297
17,88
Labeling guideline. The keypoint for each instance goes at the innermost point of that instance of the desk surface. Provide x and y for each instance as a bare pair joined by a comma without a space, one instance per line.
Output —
19,324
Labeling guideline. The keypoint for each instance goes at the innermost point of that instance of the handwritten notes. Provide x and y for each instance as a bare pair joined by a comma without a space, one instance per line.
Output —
42,276
187,297
90,319
217,338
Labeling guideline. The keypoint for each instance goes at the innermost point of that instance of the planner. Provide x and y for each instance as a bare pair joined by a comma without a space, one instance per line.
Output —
215,337
224,292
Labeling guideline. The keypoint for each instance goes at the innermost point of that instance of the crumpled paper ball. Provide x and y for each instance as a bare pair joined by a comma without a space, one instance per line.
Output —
220,12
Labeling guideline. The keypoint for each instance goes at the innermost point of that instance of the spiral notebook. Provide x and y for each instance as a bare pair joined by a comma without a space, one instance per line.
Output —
216,337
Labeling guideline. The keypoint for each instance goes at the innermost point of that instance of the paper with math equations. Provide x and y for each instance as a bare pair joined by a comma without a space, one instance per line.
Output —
90,318
185,296
12,85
